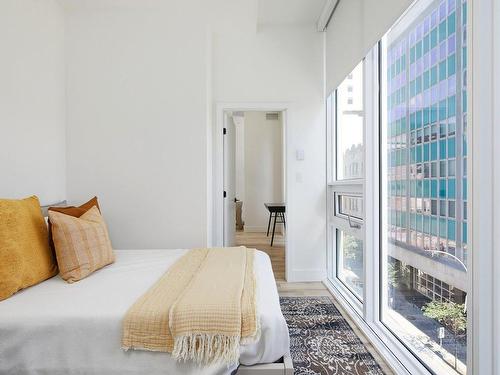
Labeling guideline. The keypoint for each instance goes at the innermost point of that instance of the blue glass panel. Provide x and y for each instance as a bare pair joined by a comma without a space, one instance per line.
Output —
451,147
451,188
434,188
434,37
451,23
442,70
442,149
427,224
419,188
418,50
451,230
442,31
419,154
418,119
434,225
442,228
434,114
426,152
426,79
442,110
464,188
427,188
425,114
434,151
442,188
464,232
451,65
419,223
452,106
434,75
426,44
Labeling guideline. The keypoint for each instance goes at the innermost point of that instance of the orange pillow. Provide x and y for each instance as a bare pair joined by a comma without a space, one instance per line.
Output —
77,211
72,211
82,243
25,255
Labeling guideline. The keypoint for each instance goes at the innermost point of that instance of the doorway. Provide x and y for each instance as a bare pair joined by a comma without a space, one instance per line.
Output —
254,213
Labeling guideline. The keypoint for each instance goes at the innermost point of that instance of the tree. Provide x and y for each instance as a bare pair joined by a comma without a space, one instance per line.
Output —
352,248
450,314
398,274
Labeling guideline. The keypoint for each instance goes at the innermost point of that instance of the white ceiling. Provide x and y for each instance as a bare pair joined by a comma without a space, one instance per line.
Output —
289,12
269,12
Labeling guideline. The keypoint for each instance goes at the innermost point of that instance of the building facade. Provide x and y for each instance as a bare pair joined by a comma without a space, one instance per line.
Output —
427,151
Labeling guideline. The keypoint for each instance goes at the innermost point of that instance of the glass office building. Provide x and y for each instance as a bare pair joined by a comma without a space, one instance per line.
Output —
427,151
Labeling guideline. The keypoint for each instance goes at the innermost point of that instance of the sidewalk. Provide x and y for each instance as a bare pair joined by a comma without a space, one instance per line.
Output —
407,320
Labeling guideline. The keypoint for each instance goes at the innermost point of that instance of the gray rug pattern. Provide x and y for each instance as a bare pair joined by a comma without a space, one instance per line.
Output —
321,340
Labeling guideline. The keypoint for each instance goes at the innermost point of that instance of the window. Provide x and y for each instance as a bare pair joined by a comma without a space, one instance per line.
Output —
424,271
345,188
350,262
397,189
349,127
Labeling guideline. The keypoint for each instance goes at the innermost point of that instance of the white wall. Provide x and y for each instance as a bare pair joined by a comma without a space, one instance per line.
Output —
142,78
32,100
285,65
355,27
263,149
137,119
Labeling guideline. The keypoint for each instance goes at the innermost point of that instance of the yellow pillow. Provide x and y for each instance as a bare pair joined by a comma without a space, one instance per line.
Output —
82,243
25,255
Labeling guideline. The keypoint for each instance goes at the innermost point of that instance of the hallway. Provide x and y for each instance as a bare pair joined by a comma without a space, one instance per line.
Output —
260,241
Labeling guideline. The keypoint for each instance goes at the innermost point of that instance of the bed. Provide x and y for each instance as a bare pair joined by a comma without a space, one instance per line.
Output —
60,328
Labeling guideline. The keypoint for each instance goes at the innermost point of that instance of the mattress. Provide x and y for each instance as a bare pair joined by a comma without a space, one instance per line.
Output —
60,328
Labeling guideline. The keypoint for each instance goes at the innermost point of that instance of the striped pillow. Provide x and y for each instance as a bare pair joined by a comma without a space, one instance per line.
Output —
82,244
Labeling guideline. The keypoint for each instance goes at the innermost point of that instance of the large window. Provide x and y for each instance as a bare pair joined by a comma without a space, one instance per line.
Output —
346,179
424,184
397,189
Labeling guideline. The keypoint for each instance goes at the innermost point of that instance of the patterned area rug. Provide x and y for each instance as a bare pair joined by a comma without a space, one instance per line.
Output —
322,342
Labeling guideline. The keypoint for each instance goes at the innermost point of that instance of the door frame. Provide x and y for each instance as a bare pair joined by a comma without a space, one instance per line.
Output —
218,165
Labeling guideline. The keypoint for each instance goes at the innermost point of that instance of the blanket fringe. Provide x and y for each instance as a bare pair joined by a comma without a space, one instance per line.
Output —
207,348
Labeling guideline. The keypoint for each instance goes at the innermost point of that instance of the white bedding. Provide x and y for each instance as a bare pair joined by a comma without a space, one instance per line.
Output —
59,328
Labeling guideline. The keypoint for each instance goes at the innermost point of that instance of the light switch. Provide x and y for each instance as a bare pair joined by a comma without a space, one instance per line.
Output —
300,154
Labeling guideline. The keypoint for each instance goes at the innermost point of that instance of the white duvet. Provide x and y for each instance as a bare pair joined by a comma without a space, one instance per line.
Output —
58,328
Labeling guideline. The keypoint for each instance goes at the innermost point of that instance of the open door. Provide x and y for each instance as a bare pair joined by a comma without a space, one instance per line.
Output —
229,142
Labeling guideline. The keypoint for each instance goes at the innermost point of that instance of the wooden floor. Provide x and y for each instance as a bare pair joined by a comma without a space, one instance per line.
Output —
261,242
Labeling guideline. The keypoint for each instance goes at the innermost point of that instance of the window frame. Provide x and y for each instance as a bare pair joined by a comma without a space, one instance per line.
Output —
350,187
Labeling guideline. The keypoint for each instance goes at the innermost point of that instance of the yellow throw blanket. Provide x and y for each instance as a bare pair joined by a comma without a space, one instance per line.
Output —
201,309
